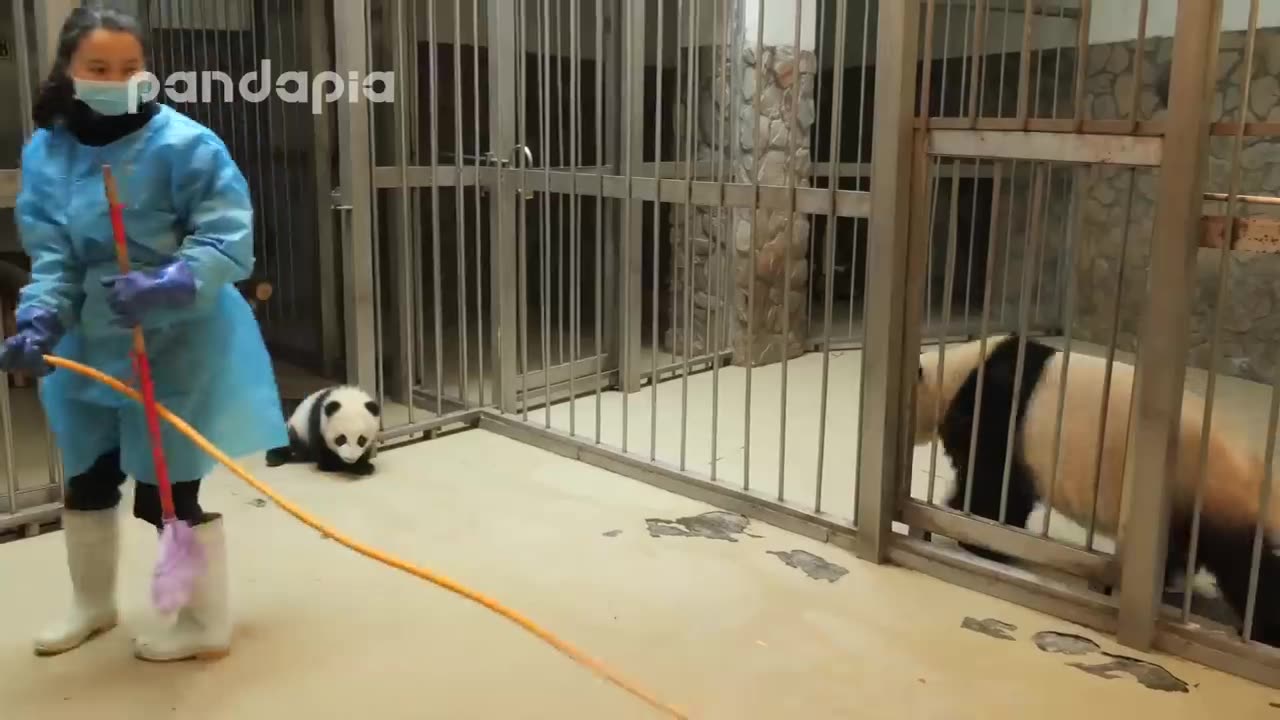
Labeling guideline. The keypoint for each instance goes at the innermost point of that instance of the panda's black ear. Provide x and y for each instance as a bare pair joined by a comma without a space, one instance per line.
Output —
332,407
373,408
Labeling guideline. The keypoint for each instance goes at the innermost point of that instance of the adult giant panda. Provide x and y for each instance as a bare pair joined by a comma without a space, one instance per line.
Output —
946,408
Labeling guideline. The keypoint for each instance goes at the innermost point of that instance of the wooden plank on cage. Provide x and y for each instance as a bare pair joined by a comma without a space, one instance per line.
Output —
1048,147
1268,129
1253,235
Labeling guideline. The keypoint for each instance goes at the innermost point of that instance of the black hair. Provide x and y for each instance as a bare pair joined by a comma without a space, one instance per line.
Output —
57,92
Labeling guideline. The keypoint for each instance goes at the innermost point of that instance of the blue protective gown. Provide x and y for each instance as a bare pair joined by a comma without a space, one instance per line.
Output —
184,199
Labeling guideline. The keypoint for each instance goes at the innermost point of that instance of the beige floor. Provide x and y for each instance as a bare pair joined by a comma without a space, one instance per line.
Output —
724,629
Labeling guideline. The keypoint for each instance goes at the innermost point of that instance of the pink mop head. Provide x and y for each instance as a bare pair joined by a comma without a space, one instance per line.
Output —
181,556
181,564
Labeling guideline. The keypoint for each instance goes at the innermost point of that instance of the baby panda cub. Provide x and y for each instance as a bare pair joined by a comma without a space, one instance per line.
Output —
336,428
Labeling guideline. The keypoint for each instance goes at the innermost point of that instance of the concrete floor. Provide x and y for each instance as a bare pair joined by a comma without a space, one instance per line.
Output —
722,628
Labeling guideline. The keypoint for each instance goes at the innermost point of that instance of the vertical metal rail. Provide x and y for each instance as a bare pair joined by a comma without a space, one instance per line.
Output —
821,10
724,244
407,312
631,74
522,251
753,260
459,210
562,265
477,152
888,335
417,283
575,240
1112,341
375,230
1220,302
690,159
322,185
282,146
859,225
1160,367
600,160
266,154
356,203
25,108
544,127
655,309
1034,228
942,331
792,127
506,220
437,290
1076,221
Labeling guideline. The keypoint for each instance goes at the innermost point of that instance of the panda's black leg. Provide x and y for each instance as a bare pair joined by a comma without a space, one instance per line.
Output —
361,468
987,497
279,456
981,506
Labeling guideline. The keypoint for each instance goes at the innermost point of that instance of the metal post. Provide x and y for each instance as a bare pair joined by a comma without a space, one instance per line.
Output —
503,236
883,359
1161,368
322,169
354,198
631,285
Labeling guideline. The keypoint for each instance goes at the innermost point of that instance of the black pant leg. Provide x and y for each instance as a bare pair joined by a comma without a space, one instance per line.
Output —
186,504
97,488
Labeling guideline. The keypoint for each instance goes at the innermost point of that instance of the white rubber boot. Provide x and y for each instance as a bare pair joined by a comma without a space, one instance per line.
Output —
202,630
93,549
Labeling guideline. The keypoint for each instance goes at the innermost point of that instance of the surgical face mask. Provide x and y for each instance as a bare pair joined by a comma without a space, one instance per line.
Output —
112,97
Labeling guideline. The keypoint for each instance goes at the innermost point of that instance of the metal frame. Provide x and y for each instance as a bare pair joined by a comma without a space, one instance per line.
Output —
1161,370
909,153
354,201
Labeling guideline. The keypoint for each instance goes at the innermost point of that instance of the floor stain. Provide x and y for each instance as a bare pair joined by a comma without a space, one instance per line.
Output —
612,533
258,502
815,567
714,525
1064,643
1149,674
990,627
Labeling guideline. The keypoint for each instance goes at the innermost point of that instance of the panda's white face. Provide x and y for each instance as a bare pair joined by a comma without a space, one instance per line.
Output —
350,426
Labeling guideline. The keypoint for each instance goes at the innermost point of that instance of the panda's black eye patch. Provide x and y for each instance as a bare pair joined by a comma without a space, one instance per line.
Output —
340,440
362,441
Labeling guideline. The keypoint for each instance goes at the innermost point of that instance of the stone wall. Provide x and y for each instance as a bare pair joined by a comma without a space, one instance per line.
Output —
721,242
707,257
1251,330
779,240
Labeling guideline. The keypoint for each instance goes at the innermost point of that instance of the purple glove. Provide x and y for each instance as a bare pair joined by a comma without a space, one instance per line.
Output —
134,294
39,330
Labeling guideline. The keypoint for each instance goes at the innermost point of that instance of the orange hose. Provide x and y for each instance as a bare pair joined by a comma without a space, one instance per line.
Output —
430,576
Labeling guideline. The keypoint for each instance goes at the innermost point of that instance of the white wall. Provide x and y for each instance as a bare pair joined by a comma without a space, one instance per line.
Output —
1117,20
774,22
1112,21
558,17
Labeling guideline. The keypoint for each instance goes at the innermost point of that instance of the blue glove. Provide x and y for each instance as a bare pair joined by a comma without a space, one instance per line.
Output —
39,330
134,294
